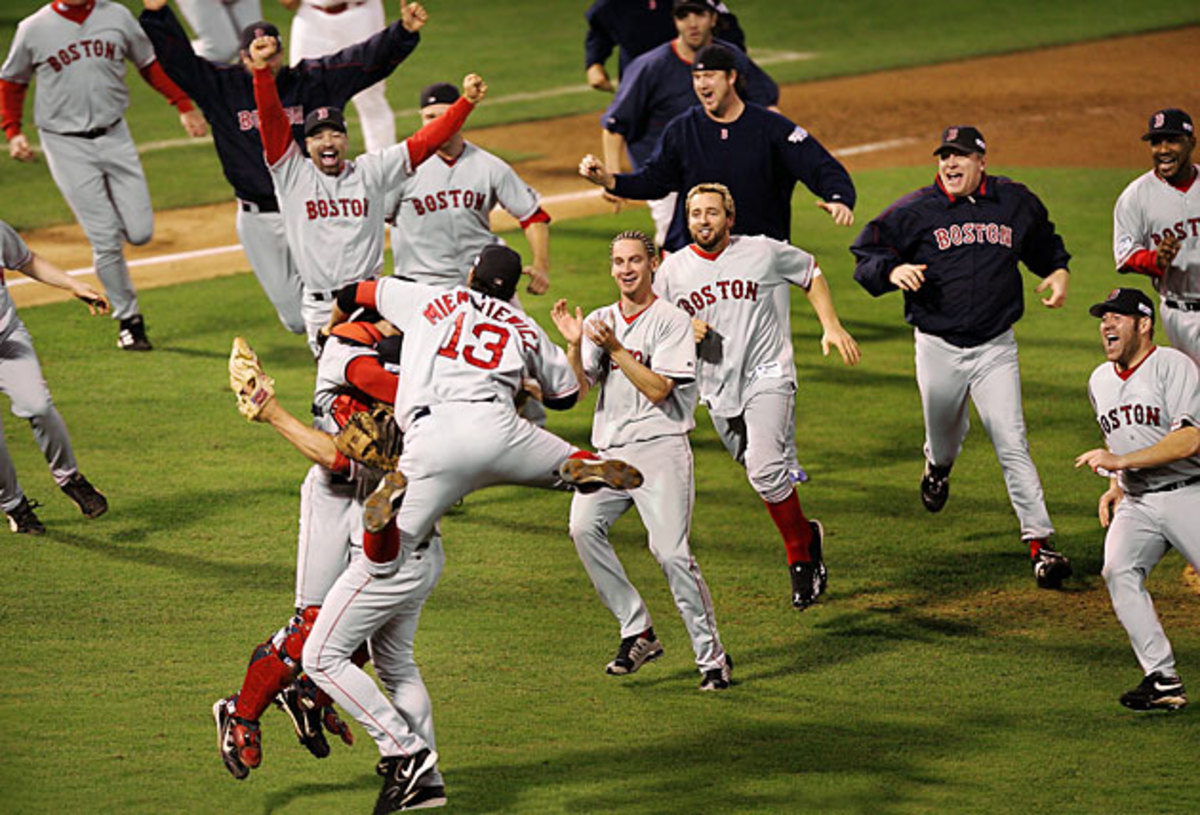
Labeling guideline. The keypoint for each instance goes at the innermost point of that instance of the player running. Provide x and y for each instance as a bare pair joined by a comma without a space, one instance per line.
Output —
641,353
1147,403
746,367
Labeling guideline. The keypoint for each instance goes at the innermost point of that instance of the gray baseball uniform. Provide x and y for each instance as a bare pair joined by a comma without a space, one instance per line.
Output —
464,357
79,108
22,380
1135,409
218,25
745,367
442,214
653,438
1147,210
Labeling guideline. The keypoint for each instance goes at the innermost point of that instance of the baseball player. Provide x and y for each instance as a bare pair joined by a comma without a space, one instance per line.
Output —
218,25
657,87
333,209
465,354
440,214
226,95
322,27
952,248
22,381
77,50
636,26
745,369
759,155
641,352
352,374
1156,227
1147,403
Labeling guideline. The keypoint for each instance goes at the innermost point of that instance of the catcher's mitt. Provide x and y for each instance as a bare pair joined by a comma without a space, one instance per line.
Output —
371,438
253,387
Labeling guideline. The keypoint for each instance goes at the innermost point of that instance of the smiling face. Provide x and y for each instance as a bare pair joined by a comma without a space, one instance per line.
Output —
708,221
327,148
961,173
695,28
632,269
1126,338
1172,157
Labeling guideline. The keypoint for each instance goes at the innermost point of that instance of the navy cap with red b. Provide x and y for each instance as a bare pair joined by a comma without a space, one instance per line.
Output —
1169,122
322,117
961,139
1132,302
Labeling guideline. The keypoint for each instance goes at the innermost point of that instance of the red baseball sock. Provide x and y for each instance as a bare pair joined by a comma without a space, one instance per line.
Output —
793,526
381,547
266,676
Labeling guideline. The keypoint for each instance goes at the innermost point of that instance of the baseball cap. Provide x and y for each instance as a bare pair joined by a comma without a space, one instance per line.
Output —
1169,122
714,57
439,93
324,117
1133,302
963,139
255,30
498,268
681,7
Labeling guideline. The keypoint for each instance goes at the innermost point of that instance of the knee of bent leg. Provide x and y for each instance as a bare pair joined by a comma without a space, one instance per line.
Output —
770,479
33,404
139,233
1117,575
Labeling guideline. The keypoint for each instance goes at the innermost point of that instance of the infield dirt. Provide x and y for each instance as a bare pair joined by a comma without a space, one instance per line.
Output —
1082,105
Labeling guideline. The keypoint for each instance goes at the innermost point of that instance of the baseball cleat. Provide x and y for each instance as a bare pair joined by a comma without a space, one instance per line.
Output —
400,777
635,652
810,579
718,678
588,474
238,740
935,487
383,504
1156,692
23,520
305,721
1050,568
132,336
91,501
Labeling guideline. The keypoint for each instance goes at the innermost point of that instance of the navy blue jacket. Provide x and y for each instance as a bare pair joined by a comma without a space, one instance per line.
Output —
657,87
970,246
637,26
225,93
760,157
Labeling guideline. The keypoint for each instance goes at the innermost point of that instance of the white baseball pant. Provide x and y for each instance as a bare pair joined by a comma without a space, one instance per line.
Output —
218,25
1182,329
761,438
329,518
265,244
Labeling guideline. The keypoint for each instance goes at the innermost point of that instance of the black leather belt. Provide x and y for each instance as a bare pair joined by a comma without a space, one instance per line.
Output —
1182,305
338,8
257,206
94,133
425,410
321,296
1178,485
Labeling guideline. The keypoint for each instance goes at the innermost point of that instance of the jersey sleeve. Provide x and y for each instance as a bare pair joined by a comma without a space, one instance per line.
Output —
810,163
140,50
663,171
518,198
1181,393
674,351
356,67
1043,250
550,367
194,76
627,112
18,65
877,250
792,264
14,252
1129,231
397,301
597,43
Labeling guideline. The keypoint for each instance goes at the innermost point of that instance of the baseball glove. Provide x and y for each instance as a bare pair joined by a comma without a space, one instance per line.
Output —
252,387
371,438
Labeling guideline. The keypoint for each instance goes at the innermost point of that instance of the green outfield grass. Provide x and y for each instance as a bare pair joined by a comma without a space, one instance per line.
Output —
536,48
934,677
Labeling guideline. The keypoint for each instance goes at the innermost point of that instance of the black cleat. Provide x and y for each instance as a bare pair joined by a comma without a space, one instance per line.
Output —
132,336
935,487
1157,692
238,740
428,797
305,721
718,678
810,579
635,652
23,520
1050,568
400,777
91,501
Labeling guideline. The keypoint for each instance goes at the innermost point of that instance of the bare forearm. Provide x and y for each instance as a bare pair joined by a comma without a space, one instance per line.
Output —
1181,443
46,272
822,302
538,235
654,387
614,147
314,444
575,358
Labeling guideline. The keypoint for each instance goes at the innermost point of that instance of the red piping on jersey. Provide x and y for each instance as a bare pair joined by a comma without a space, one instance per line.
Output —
1143,261
705,254
675,51
425,142
629,320
12,103
981,189
158,79
76,14
1186,185
1128,372
539,217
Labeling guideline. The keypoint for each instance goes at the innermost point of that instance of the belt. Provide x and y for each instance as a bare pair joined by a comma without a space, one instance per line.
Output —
1182,305
256,206
321,296
1178,485
425,410
94,133
338,8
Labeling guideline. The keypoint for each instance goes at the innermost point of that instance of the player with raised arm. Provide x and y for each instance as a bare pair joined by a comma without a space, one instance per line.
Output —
1147,403
641,353
745,369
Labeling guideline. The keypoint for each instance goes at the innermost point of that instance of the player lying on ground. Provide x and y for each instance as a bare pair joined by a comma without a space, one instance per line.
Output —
22,381
641,353
465,354
1147,403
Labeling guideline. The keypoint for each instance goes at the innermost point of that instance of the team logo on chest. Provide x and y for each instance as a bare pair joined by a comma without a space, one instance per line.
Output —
696,301
336,208
971,233
84,49
447,199
1128,415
